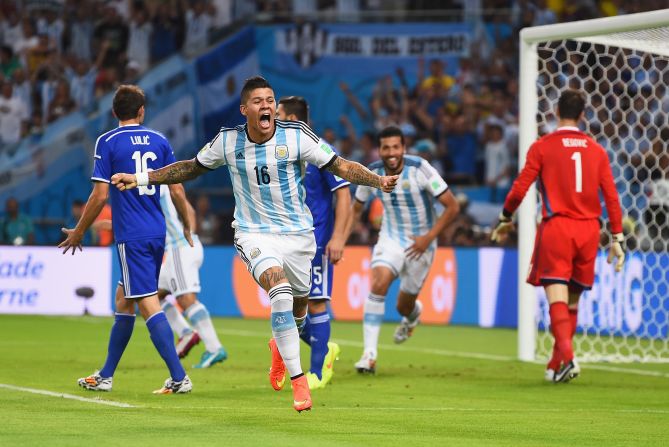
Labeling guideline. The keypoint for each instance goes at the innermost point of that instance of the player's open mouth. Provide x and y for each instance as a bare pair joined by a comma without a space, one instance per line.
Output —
265,121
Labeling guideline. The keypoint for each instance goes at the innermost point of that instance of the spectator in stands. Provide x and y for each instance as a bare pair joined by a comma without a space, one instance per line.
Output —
9,63
139,44
168,30
462,146
103,227
16,228
207,222
26,42
62,103
82,80
23,89
112,29
436,77
80,33
13,116
53,27
497,162
13,31
198,25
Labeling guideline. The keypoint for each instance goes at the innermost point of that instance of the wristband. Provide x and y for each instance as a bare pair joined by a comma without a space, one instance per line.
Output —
142,178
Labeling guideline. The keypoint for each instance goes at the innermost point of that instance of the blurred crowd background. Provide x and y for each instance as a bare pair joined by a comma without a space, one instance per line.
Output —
58,57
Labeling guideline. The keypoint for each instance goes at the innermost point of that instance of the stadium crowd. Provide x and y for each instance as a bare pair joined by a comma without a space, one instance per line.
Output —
58,56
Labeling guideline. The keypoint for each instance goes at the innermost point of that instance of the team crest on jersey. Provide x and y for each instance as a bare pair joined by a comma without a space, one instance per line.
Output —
255,253
281,152
406,184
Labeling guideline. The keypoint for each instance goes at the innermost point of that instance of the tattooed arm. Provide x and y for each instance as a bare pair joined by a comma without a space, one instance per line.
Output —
178,172
360,175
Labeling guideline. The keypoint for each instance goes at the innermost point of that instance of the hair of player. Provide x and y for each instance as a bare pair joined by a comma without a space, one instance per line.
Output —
390,131
296,105
251,84
128,99
571,104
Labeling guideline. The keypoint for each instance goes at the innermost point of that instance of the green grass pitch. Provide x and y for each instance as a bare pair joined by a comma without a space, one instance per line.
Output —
445,386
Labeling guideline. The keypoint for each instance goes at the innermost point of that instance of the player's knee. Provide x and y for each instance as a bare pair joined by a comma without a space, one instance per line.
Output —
271,277
317,306
186,300
379,286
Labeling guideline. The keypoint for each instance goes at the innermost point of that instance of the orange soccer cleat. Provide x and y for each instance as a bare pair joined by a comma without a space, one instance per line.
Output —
301,394
277,372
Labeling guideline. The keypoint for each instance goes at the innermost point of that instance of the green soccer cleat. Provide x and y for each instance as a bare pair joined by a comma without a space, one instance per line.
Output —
313,381
211,358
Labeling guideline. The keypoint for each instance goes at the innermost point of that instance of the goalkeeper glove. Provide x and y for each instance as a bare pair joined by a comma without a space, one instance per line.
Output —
504,226
616,250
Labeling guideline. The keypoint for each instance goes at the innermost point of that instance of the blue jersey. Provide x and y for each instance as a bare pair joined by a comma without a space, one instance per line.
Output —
136,214
321,185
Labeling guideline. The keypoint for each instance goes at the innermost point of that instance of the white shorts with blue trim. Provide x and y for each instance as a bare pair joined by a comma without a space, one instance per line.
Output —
412,272
291,251
180,272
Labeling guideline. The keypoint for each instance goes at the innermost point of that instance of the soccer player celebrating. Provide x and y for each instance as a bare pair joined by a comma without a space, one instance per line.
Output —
180,277
273,226
407,240
329,227
572,169
139,230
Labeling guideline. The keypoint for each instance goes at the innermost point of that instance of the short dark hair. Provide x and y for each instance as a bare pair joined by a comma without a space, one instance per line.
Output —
571,104
78,202
390,131
251,84
296,105
128,99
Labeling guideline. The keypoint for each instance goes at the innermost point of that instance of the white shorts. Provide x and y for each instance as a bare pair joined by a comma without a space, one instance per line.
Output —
292,251
180,272
412,272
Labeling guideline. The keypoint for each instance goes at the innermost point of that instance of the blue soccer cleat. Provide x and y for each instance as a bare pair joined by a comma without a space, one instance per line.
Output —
211,358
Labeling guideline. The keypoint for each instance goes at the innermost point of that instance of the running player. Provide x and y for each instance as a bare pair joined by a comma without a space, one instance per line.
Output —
572,169
180,277
407,240
330,224
139,231
273,226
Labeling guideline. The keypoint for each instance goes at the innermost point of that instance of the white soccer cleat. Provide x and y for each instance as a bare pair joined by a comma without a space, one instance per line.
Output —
95,382
367,363
172,387
406,327
549,375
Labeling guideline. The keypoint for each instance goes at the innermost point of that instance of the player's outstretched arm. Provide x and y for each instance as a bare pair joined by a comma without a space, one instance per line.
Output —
178,172
422,243
360,175
94,205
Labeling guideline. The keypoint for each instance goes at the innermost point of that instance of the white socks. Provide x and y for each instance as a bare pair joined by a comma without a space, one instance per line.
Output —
284,329
201,320
375,307
177,322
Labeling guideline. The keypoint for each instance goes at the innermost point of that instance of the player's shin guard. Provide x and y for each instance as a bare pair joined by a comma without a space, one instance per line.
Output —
561,327
163,340
320,336
118,340
177,321
374,309
201,320
284,328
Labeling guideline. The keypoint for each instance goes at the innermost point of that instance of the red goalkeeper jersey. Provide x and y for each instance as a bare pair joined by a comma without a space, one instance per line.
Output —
571,169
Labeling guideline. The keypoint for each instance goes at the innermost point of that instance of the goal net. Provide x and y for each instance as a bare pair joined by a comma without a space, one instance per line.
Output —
622,63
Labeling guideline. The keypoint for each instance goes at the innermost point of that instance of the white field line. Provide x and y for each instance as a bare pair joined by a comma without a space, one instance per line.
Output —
447,353
66,396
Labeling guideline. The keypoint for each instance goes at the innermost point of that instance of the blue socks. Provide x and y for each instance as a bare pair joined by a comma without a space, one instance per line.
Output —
305,332
319,336
118,340
163,340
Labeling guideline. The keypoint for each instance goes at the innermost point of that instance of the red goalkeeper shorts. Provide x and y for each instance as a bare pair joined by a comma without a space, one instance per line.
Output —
565,250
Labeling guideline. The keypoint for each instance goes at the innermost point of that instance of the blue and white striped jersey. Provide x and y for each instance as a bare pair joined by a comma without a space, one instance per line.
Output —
175,229
267,179
409,210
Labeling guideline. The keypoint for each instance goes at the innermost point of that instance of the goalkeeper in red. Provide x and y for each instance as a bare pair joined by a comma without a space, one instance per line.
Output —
571,169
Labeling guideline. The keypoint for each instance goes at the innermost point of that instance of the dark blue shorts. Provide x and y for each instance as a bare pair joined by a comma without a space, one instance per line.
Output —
321,276
140,266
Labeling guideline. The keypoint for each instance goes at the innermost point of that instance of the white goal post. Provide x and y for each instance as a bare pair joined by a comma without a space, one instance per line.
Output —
607,58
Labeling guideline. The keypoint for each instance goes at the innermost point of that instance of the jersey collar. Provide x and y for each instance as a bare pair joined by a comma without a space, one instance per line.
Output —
568,128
